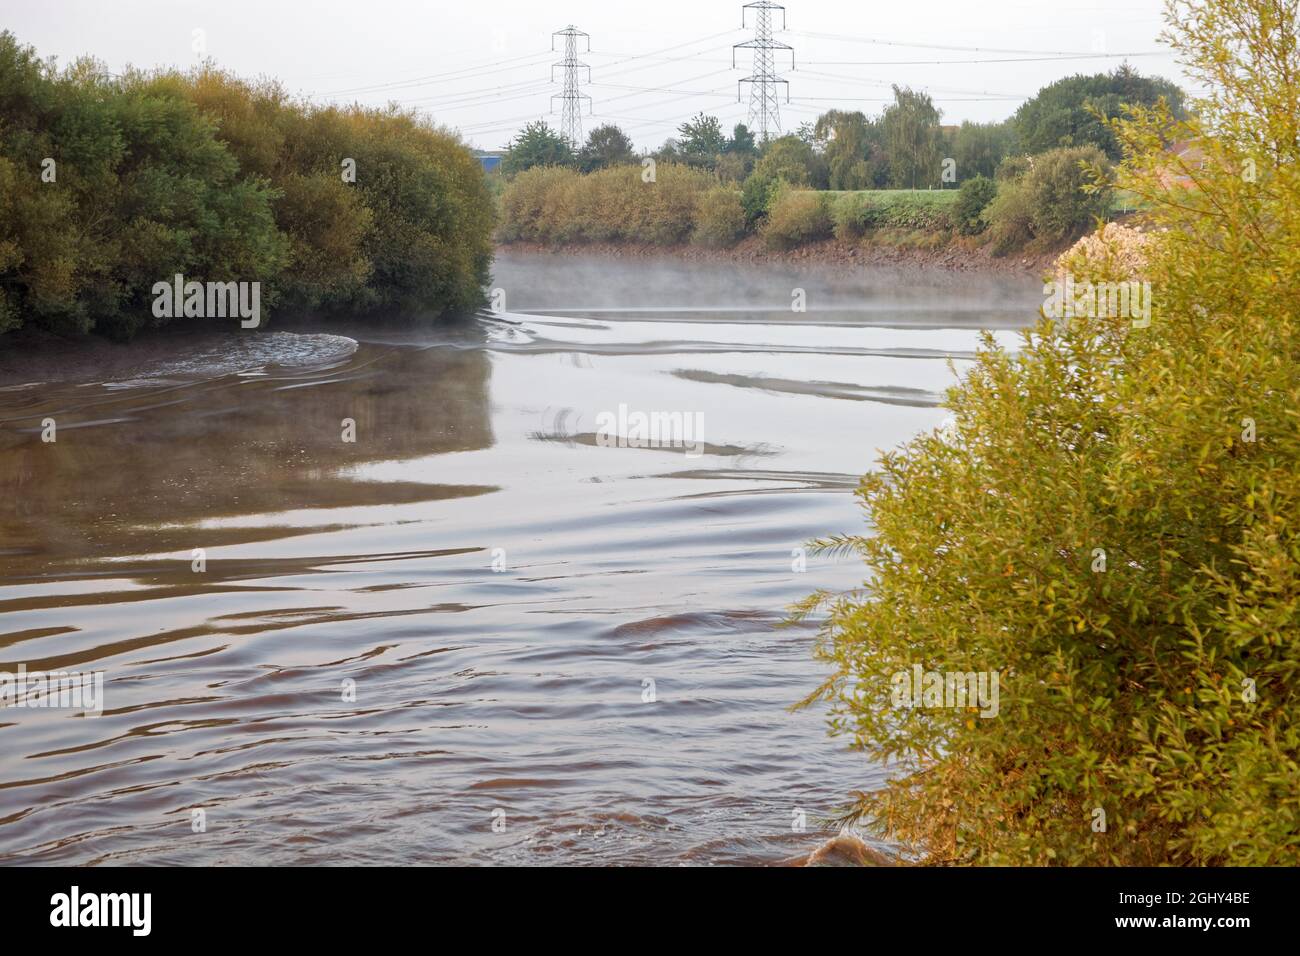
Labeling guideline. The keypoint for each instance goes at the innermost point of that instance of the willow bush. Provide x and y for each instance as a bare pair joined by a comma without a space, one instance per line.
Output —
796,217
553,204
110,184
1110,522
1048,198
535,200
719,218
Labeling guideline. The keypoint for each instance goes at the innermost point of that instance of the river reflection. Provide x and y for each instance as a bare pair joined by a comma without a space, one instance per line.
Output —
474,633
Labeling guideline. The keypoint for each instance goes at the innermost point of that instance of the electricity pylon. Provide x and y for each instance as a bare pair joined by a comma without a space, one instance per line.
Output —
571,112
764,102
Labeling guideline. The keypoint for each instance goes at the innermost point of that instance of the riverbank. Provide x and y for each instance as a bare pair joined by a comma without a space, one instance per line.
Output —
958,255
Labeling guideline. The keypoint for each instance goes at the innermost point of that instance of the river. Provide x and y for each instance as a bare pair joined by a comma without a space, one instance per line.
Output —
479,631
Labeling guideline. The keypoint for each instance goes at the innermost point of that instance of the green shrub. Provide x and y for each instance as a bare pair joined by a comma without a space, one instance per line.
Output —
1062,208
1111,523
1049,203
853,214
327,224
560,205
920,210
220,179
531,202
797,216
672,201
607,205
756,196
1010,218
795,161
973,198
856,213
719,218
733,168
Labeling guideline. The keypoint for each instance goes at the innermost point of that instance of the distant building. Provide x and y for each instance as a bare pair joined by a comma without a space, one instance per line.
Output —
489,162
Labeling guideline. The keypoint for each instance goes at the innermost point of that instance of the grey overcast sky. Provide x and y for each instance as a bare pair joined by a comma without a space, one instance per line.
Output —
484,67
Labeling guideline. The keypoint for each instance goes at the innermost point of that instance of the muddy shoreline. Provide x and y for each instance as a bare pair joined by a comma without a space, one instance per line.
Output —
960,255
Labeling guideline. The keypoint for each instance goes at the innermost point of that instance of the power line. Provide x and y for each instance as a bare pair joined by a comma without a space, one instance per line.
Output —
479,100
659,89
890,99
470,71
1013,59
446,100
654,54
939,46
494,126
870,81
453,100
656,105
691,79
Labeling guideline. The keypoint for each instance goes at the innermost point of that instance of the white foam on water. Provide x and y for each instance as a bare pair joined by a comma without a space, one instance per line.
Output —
247,354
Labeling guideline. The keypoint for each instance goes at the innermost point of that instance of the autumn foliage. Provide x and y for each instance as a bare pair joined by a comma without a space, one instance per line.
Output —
1111,522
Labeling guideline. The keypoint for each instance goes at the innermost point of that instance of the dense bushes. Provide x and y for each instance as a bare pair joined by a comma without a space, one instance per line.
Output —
785,161
852,214
972,199
533,200
719,218
1110,522
1040,198
930,211
796,216
755,196
857,213
1010,218
200,174
136,188
552,204
557,205
1049,197
1055,183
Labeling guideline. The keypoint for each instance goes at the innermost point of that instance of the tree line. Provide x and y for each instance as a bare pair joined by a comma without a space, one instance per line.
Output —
110,184
902,148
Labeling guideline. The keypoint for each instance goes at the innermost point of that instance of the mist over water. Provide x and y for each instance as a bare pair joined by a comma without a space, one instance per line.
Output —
516,694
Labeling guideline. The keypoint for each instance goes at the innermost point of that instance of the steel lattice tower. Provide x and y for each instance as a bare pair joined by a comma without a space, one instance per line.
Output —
764,102
571,112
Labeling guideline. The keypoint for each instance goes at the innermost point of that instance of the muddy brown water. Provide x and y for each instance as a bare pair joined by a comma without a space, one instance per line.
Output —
478,633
